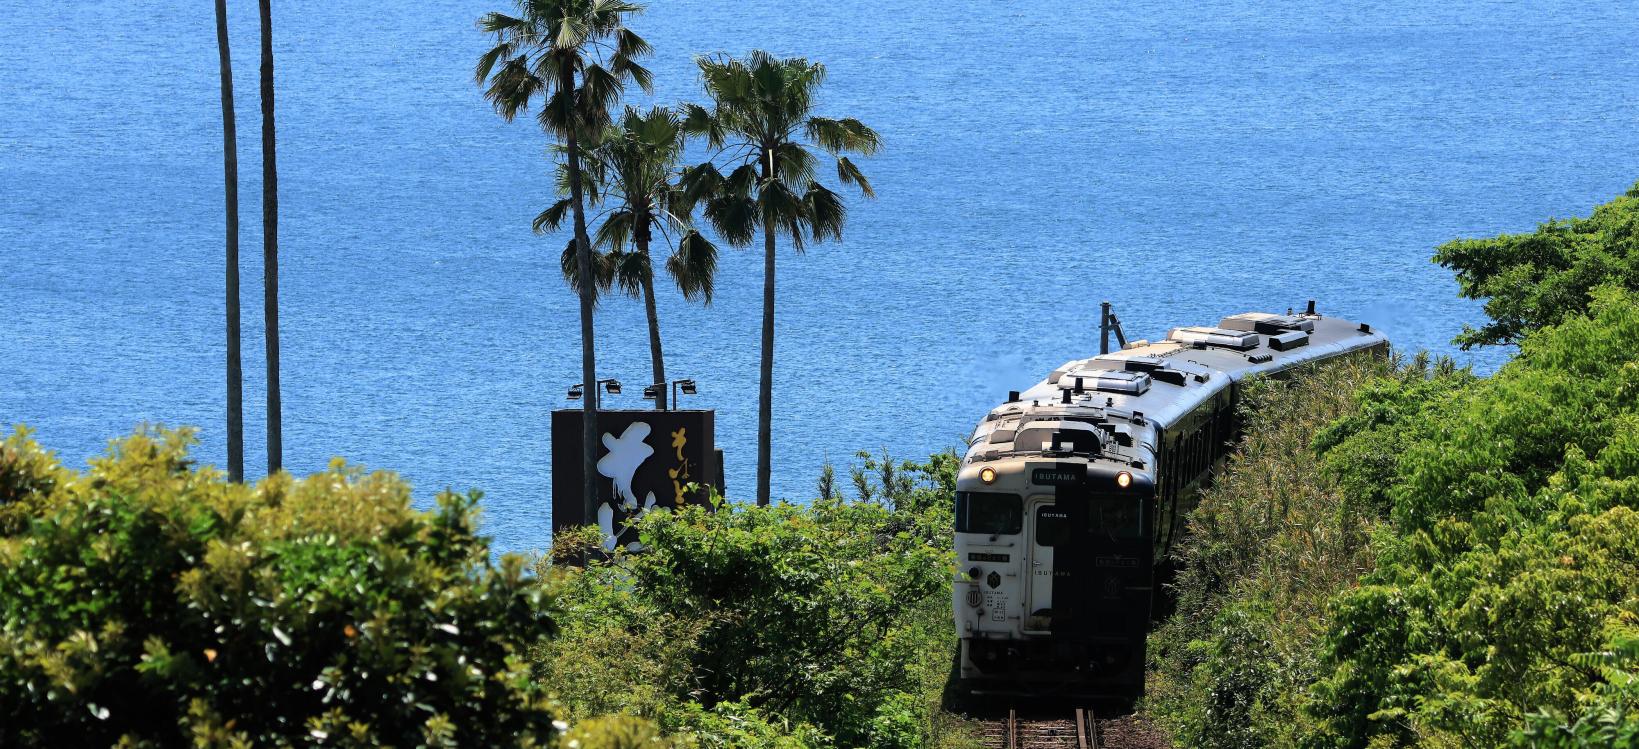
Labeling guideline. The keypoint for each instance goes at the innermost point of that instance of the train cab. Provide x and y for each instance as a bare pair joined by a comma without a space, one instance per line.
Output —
1056,560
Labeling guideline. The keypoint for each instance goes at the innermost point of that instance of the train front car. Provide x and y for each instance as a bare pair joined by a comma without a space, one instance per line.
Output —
1073,490
1055,529
1056,560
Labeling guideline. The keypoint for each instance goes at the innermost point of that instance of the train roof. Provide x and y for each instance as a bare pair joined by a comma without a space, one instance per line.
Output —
1124,398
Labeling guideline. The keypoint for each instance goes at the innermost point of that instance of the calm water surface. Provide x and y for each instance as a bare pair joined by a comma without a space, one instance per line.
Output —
1183,162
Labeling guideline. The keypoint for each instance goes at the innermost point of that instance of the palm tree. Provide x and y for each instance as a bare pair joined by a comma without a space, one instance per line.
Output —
631,167
270,249
575,55
762,121
230,183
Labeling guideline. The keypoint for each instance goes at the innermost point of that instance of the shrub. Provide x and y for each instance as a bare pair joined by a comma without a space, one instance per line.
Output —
1530,281
150,602
1270,542
779,625
1513,549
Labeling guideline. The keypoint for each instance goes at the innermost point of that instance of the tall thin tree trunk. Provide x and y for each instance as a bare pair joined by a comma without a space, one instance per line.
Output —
588,287
765,390
765,394
230,183
270,248
656,359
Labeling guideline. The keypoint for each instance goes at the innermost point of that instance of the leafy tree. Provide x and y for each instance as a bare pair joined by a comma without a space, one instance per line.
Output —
230,186
1515,530
1534,280
150,603
768,626
631,165
1610,720
576,56
762,122
270,249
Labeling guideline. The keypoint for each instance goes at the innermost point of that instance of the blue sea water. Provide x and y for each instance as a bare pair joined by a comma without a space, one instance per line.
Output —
1183,161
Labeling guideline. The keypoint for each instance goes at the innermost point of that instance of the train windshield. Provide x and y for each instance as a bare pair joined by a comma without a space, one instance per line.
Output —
989,512
1117,517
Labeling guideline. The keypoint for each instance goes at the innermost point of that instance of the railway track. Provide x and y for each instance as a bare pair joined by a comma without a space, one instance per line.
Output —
1079,730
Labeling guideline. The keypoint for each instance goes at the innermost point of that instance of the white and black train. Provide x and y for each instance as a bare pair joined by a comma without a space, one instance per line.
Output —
1073,490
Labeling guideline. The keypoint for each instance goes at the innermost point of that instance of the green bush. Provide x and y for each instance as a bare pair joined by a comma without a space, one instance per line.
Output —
1610,717
780,625
1534,280
148,602
1273,539
1513,550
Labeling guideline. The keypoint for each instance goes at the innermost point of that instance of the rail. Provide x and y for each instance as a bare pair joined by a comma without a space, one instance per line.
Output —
1080,731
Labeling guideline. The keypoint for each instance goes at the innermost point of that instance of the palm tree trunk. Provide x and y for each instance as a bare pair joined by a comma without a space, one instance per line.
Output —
230,185
588,286
270,248
765,394
656,359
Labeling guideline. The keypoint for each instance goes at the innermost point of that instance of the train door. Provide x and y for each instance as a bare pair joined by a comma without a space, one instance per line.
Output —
1047,523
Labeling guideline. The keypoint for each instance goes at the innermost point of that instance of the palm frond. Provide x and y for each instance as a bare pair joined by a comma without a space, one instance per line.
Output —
629,45
599,90
550,219
602,271
694,266
842,136
572,31
486,61
825,212
699,121
615,231
625,67
512,87
793,164
559,116
742,182
733,217
850,175
631,270
780,208
697,183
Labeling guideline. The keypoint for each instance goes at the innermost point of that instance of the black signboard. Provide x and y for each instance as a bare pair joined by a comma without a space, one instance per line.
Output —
646,460
1071,474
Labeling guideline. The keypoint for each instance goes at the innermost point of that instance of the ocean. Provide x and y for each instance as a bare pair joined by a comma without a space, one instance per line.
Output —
1182,161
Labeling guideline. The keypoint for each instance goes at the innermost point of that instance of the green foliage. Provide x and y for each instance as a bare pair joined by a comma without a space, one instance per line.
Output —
28,477
1539,279
630,167
617,732
1271,541
1514,547
769,626
149,602
1610,718
762,115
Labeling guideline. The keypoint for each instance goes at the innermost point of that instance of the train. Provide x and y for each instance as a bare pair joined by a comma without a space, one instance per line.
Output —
1072,493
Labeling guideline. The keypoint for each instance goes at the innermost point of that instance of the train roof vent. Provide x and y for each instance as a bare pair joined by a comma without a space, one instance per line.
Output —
1267,324
1225,337
1130,383
1288,341
1143,363
1157,368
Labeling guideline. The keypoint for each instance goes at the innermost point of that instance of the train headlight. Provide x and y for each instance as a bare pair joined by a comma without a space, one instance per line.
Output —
1123,479
987,475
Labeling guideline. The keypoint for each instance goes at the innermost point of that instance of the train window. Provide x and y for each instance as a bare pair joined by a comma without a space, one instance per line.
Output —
1117,517
1052,526
989,512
